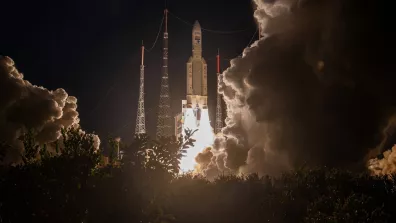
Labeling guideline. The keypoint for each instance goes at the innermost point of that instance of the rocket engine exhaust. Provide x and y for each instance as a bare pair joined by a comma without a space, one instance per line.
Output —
204,136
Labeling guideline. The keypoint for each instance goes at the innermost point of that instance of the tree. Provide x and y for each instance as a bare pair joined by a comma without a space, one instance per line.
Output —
353,208
4,148
31,149
162,154
114,150
50,186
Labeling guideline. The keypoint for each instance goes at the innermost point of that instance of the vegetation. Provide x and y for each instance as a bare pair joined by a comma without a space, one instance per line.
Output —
69,182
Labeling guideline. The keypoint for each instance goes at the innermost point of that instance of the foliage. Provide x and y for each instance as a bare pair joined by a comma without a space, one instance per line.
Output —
353,208
78,144
66,182
31,148
3,150
162,154
50,185
114,150
167,152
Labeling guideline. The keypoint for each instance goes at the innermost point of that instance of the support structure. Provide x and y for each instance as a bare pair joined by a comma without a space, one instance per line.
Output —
164,122
141,117
219,110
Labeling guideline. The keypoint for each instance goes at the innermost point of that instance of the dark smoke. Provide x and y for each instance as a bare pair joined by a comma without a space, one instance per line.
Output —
316,90
25,106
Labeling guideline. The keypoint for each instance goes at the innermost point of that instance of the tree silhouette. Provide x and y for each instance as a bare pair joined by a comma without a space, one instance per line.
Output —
4,148
66,181
162,154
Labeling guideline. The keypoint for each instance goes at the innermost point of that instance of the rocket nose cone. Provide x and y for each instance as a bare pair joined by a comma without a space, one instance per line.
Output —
196,25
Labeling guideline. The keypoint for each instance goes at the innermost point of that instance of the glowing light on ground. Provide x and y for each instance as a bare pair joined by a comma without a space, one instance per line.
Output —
204,137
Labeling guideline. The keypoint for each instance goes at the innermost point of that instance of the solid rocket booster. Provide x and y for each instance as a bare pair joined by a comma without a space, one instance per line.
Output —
197,88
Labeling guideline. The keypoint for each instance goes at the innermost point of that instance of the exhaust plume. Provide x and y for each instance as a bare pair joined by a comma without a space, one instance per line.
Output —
316,90
25,106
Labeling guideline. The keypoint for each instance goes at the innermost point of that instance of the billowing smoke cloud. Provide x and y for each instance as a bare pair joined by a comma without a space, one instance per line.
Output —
204,158
25,106
316,90
385,163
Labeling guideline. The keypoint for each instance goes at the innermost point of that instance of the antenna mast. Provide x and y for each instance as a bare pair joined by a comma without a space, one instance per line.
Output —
140,118
164,122
219,110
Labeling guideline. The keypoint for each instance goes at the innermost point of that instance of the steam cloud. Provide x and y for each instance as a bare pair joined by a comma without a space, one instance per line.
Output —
316,90
25,106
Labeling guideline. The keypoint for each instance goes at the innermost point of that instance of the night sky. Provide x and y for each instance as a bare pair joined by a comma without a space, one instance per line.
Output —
92,50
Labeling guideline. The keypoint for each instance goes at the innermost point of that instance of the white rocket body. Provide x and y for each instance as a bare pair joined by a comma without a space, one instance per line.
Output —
196,104
197,87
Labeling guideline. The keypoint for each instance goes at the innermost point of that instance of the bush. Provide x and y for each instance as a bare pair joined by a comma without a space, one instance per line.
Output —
69,182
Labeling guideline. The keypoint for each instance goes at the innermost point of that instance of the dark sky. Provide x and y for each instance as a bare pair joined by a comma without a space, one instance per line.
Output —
91,49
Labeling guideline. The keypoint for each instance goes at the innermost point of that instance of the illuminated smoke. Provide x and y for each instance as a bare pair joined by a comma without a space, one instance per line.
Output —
203,138
25,106
315,90
385,163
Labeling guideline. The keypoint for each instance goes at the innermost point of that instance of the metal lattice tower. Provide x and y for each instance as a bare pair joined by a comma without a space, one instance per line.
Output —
164,122
140,117
219,111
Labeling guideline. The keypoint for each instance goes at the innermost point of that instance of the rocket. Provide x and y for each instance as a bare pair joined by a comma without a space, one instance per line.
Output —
197,87
195,114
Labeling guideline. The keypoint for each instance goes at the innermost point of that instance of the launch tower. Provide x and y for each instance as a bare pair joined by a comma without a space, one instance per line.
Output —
140,117
219,110
164,122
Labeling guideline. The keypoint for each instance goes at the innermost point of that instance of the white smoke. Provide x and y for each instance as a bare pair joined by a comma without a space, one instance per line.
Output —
237,150
300,94
25,106
385,165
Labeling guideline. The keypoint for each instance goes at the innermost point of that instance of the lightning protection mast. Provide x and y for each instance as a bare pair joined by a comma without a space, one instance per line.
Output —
140,118
164,122
219,111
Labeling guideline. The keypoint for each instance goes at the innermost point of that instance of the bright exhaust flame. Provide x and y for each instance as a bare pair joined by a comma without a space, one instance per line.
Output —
204,137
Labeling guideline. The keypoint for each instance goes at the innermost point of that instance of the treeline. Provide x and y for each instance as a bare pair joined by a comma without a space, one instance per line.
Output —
70,182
